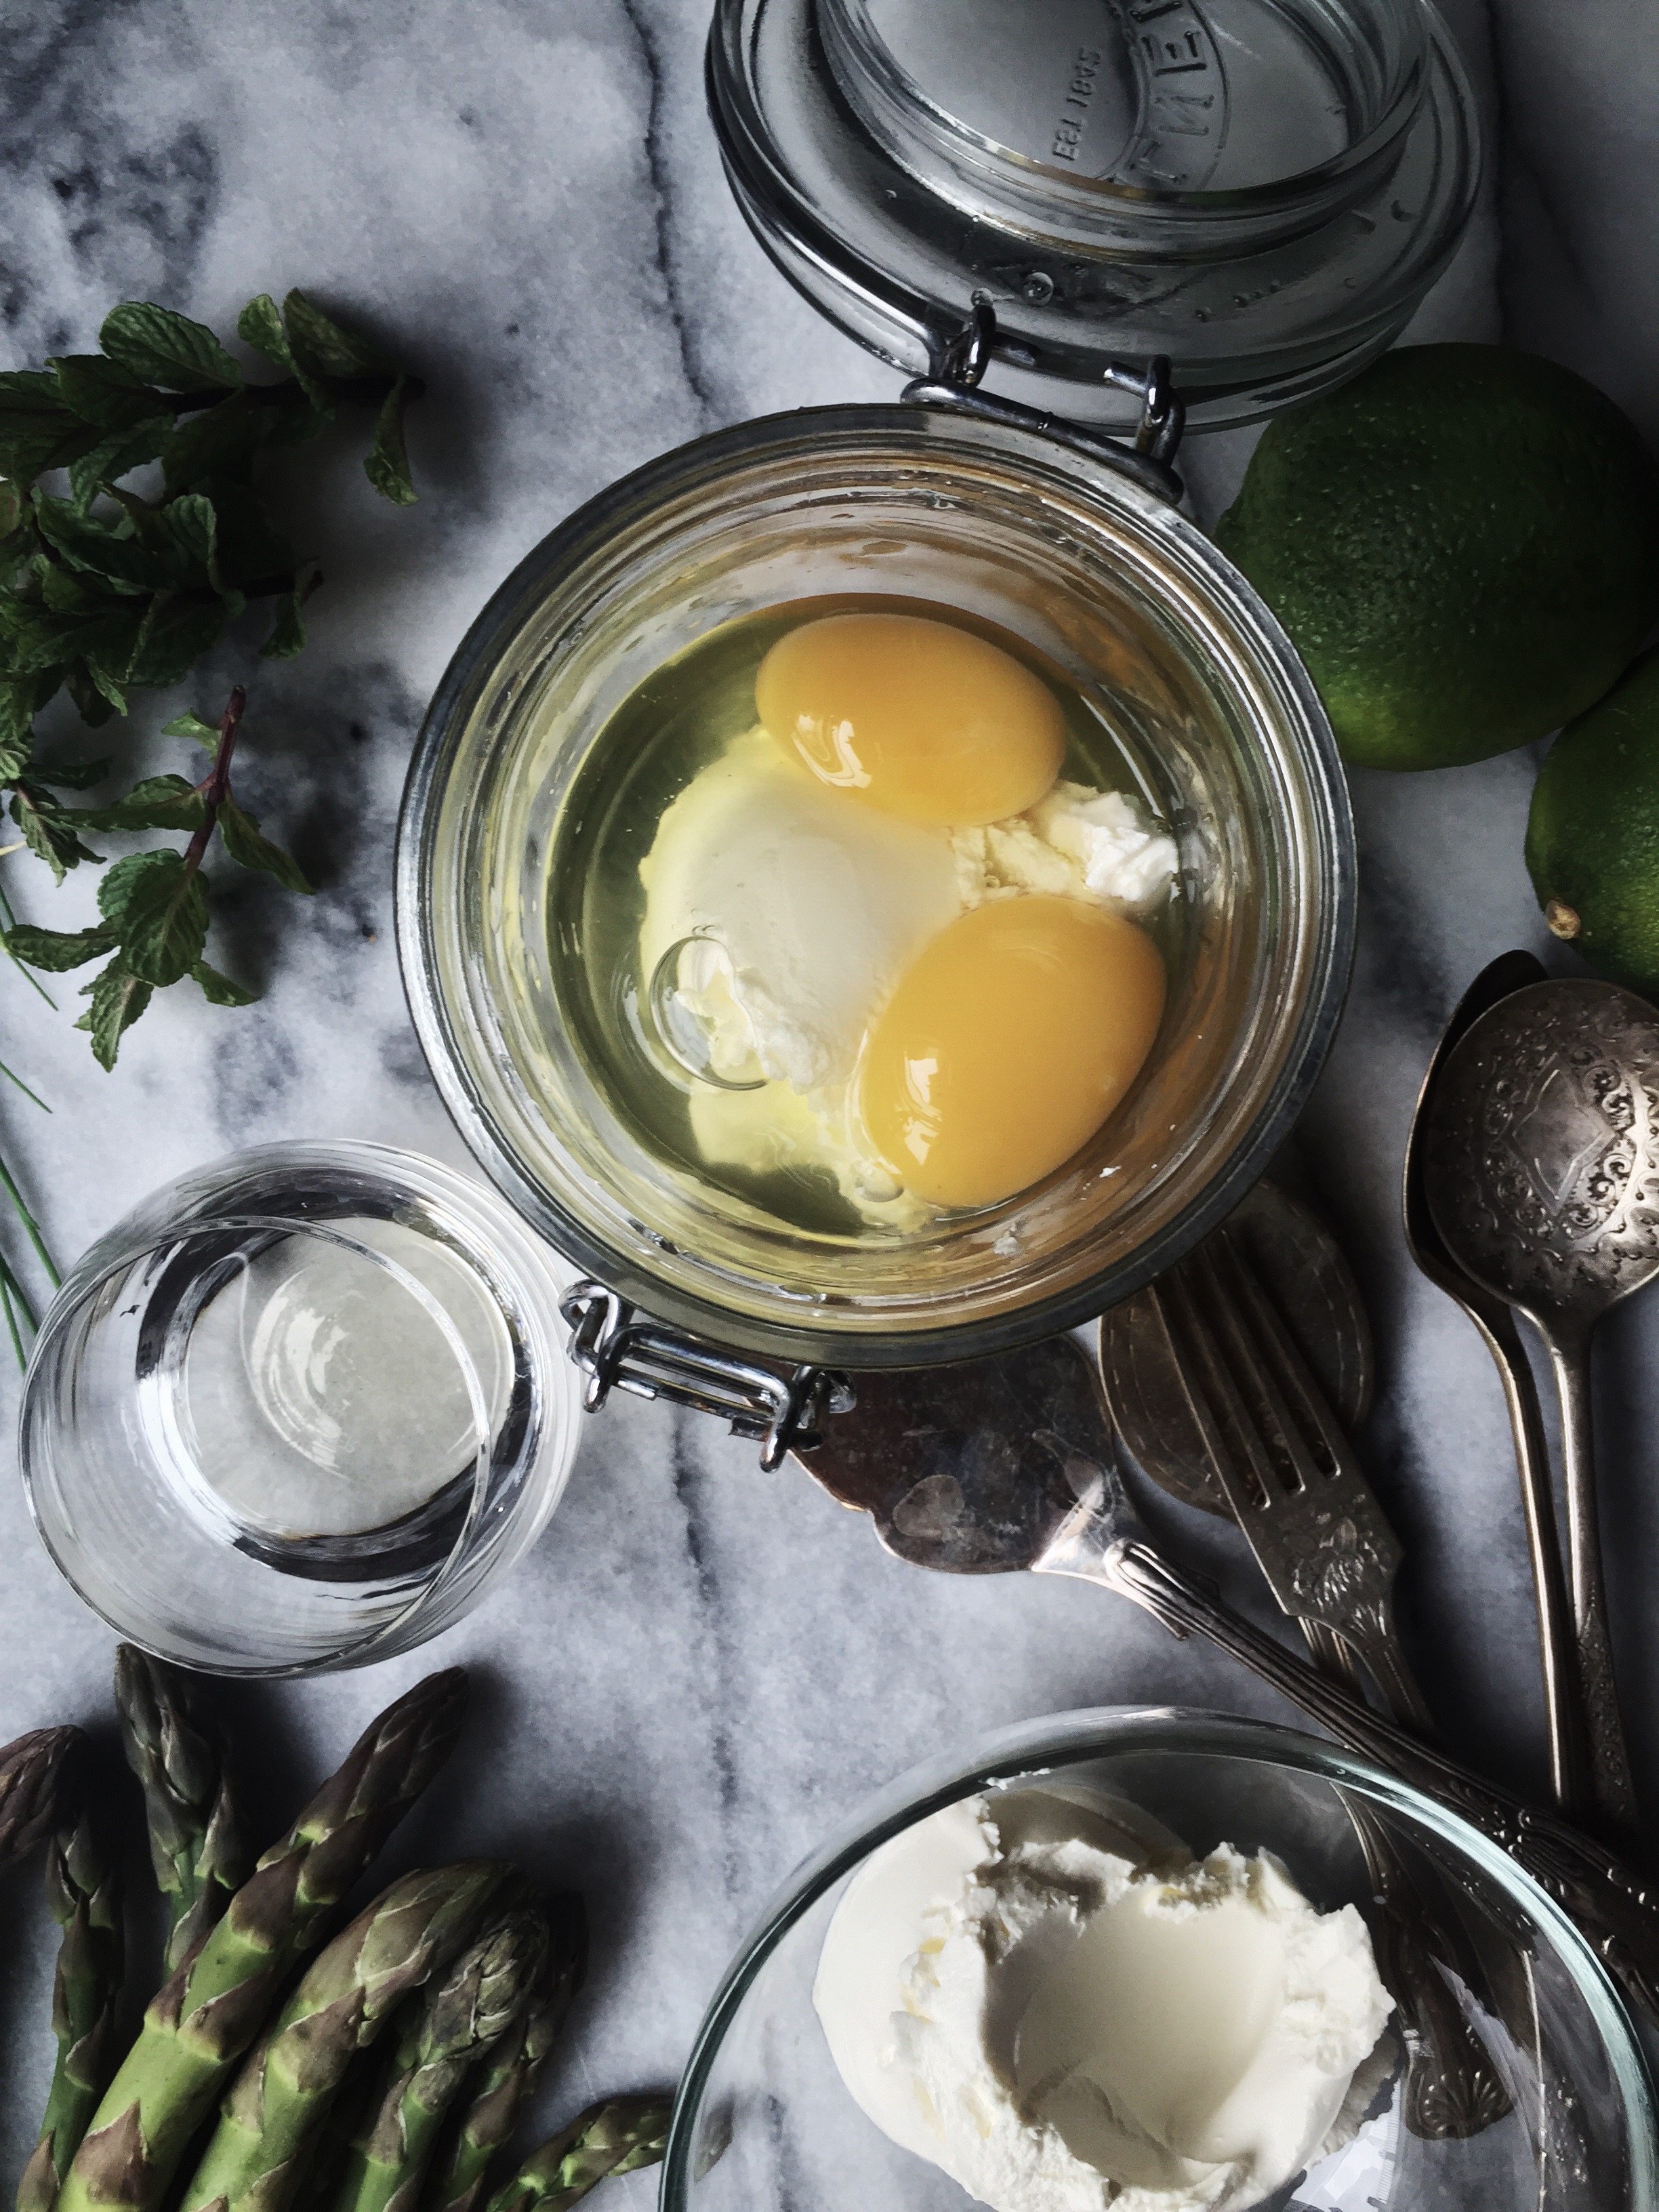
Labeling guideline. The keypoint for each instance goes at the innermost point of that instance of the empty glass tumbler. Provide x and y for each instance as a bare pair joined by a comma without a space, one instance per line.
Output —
300,1409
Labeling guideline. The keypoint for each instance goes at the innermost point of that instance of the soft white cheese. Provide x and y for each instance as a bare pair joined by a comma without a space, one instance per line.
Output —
1122,857
1086,2017
1078,843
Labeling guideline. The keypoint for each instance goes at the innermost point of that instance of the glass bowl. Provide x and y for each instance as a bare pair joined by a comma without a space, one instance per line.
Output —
1137,608
300,1409
763,2116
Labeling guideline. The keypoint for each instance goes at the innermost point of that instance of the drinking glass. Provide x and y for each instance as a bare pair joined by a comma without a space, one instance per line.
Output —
300,1409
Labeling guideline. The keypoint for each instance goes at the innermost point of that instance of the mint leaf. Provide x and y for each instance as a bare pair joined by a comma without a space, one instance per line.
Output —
290,419
322,347
20,700
220,442
47,835
113,458
388,466
192,524
192,726
16,712
72,775
160,802
28,394
177,632
102,391
193,527
218,990
96,696
242,841
117,999
113,550
36,639
148,526
58,950
37,431
164,927
260,327
161,348
287,631
120,884
66,593
105,686
250,548
11,510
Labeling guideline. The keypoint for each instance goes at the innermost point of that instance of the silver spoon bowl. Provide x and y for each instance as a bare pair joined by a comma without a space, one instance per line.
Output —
1541,1173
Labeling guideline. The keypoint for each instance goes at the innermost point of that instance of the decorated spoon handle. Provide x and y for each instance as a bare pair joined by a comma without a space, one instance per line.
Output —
1614,1909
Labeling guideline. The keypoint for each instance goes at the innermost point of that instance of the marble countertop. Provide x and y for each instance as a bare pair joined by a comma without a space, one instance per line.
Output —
702,1667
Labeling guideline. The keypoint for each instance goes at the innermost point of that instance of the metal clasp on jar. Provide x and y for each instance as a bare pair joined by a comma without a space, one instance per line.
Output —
958,365
615,1351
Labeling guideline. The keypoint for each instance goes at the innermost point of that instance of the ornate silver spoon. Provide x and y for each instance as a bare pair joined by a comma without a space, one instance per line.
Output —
1566,1719
1540,1155
1007,1465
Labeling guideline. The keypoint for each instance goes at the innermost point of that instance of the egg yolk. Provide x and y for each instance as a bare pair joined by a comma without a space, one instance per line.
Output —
1010,1039
920,719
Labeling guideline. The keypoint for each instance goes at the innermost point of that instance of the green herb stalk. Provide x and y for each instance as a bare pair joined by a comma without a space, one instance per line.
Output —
106,592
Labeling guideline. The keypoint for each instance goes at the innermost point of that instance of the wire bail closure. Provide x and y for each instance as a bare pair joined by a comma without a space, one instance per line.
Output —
957,367
616,1352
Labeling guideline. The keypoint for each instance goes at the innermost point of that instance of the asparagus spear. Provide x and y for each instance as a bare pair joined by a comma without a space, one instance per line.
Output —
459,2017
615,2137
36,1774
203,2018
323,2166
254,2157
511,2068
196,1838
84,1893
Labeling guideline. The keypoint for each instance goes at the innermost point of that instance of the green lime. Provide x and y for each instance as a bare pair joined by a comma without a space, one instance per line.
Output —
1593,833
1463,544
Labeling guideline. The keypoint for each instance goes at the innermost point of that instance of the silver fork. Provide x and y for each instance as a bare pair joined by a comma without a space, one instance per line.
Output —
1289,1473
1279,1457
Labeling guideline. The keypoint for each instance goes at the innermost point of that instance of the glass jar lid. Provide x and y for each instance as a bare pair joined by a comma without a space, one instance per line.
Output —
1262,190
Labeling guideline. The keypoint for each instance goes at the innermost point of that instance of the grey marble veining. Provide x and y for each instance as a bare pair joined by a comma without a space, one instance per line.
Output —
701,1668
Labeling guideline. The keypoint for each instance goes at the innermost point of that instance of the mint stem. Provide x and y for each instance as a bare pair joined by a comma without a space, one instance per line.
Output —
11,1321
31,1226
216,789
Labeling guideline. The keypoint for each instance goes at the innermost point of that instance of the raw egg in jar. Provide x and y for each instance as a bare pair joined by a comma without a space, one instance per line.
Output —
917,717
1007,1041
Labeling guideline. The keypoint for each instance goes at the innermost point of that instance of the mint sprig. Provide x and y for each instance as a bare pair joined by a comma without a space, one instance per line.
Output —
104,592
152,906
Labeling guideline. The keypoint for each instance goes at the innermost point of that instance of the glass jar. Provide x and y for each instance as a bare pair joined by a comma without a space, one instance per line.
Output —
1064,545
1262,189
